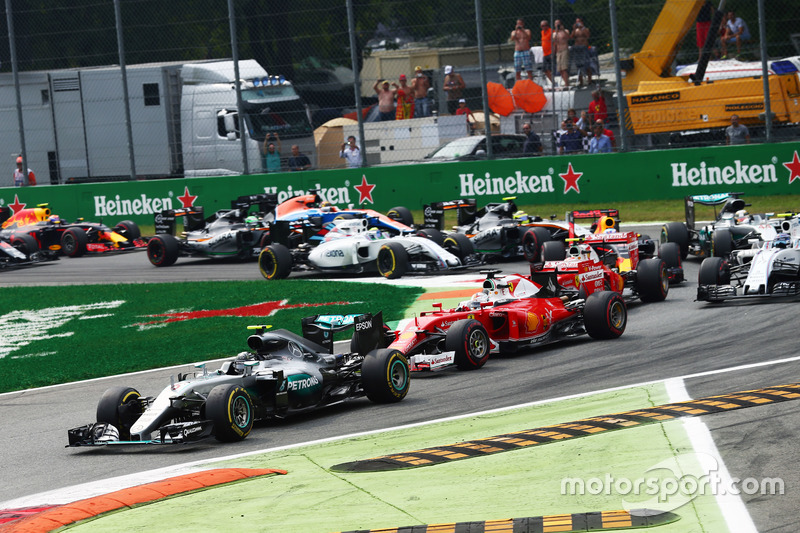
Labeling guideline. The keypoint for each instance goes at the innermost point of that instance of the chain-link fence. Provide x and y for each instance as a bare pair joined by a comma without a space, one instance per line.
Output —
412,62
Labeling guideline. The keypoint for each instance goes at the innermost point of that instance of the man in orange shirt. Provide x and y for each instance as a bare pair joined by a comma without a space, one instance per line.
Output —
547,49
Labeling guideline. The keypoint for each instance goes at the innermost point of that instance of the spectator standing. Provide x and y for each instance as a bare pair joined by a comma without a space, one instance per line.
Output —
583,123
558,134
580,51
454,85
351,153
571,142
272,155
547,49
19,175
419,88
597,107
607,132
467,112
405,100
736,31
600,143
523,58
298,161
703,25
386,95
532,144
736,133
561,49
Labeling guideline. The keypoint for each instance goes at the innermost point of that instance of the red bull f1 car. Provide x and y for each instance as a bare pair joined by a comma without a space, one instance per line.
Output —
55,236
508,313
282,374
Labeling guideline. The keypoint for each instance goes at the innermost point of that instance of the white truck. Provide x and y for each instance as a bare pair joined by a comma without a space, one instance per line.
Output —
184,120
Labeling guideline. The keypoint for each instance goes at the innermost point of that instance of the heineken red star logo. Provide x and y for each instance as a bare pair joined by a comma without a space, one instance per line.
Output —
364,191
17,206
187,200
256,310
571,178
794,168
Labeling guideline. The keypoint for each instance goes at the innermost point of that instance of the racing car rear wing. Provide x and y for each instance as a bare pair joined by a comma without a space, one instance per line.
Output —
266,202
433,213
607,218
368,330
165,220
731,200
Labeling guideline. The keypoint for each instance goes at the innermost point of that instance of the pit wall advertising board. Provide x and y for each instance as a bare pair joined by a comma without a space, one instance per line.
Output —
756,170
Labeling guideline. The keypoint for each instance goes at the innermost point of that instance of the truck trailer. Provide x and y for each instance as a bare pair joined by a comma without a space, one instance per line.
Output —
184,120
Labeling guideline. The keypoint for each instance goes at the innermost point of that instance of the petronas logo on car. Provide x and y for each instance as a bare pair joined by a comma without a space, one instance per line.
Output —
301,382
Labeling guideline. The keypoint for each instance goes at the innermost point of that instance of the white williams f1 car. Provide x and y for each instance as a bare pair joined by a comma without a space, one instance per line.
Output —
773,272
352,246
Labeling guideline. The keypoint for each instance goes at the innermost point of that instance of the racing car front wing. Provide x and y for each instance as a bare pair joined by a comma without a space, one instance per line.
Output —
178,433
721,293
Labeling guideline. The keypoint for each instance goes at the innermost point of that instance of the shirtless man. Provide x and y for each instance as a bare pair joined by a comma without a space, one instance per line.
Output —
580,50
561,50
521,37
386,108
419,87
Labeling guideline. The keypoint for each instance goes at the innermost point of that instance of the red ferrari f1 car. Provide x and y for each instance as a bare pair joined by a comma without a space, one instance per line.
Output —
510,312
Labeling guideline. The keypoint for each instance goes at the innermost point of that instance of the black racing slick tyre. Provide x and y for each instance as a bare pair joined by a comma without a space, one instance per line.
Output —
678,233
670,252
459,245
392,260
652,280
275,261
128,229
25,243
74,242
605,315
553,251
230,410
402,215
433,234
469,340
532,241
721,243
162,250
120,407
385,376
714,271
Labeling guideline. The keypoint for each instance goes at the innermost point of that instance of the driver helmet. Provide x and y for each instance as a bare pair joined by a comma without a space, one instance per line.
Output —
782,240
54,219
609,230
742,216
326,207
374,234
252,219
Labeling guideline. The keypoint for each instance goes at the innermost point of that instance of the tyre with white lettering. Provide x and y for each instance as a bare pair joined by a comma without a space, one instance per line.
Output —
230,410
120,407
678,233
402,215
25,243
392,261
605,315
128,229
470,342
385,376
433,234
459,245
714,271
652,280
553,251
532,241
721,243
74,242
162,250
275,261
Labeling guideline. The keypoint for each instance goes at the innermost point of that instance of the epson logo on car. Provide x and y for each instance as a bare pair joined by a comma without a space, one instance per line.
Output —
301,384
361,326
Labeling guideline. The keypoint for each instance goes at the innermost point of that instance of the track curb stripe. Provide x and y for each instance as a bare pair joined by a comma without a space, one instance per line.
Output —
578,522
570,430
64,515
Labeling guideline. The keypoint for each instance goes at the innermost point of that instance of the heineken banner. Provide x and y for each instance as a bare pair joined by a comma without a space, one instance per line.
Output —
763,169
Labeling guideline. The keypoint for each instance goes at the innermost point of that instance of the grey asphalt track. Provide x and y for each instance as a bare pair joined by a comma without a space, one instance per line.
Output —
678,337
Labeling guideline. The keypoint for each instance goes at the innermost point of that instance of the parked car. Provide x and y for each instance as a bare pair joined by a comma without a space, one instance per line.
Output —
473,147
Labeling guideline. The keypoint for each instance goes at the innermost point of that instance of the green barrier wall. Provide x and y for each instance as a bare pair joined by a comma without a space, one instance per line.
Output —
764,169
